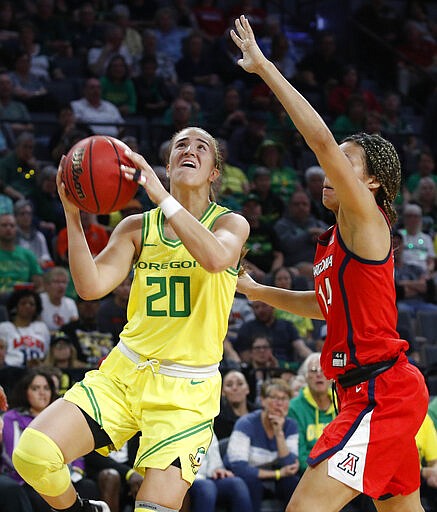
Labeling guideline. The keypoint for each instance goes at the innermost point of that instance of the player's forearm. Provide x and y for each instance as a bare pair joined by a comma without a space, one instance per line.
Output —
302,303
214,254
81,262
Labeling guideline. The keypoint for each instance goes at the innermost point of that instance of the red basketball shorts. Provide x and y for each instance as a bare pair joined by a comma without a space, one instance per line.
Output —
370,444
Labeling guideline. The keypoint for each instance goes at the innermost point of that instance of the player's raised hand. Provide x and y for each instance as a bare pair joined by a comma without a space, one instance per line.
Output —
253,59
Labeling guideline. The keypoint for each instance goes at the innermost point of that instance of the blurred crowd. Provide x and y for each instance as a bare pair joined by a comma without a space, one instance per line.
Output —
140,70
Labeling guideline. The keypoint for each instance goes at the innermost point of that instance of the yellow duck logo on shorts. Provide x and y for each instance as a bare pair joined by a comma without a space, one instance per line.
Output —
196,460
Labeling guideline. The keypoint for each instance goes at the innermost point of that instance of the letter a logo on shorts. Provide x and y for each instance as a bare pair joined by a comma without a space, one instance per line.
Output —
349,464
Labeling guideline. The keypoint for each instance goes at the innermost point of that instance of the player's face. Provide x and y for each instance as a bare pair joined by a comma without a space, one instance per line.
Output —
192,159
355,155
39,394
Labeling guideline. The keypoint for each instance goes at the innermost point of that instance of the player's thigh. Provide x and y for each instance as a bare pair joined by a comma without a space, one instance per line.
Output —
65,424
409,503
318,492
163,487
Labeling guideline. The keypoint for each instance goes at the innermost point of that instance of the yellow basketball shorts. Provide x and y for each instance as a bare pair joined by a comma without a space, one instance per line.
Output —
174,414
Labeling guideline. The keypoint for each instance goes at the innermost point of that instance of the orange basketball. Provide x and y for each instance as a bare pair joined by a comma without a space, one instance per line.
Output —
92,175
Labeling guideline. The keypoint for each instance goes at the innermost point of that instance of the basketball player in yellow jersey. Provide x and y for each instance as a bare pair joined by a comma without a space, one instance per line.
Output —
162,378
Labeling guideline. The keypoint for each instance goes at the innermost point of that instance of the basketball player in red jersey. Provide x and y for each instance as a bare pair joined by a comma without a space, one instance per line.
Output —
370,447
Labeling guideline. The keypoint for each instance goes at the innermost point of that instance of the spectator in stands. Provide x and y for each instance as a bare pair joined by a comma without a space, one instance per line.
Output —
225,59
426,440
95,234
14,114
313,408
234,403
91,344
262,366
264,446
197,66
393,121
353,120
297,230
284,179
112,312
32,394
63,355
287,345
28,87
263,255
425,195
165,66
17,265
261,184
376,34
181,112
187,92
414,288
429,128
47,205
169,36
99,57
233,181
215,485
314,177
67,132
19,168
132,39
118,480
228,114
210,18
245,140
57,309
321,66
50,24
28,338
283,278
91,108
118,87
85,30
153,93
27,42
418,246
425,168
28,235
417,58
349,85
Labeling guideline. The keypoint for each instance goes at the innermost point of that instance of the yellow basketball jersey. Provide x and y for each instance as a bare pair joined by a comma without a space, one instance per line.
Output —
177,310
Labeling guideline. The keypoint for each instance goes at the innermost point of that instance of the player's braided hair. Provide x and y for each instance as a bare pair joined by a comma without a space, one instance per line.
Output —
382,161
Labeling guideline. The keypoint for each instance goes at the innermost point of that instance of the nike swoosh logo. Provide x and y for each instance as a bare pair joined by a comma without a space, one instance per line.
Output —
150,245
358,389
194,382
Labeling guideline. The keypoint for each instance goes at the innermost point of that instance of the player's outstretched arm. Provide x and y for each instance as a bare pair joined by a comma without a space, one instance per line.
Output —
302,303
308,122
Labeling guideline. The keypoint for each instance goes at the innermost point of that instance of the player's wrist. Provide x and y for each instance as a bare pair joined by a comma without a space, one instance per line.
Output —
170,206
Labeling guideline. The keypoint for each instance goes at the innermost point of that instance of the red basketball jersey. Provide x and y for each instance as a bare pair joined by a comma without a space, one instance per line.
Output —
357,298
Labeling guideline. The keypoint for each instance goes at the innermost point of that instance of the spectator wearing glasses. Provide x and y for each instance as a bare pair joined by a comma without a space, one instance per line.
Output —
263,446
313,408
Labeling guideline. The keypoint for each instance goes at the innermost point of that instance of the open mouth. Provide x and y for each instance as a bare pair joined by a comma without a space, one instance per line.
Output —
189,164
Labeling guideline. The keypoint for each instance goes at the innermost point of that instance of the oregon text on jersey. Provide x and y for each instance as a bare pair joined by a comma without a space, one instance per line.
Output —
152,265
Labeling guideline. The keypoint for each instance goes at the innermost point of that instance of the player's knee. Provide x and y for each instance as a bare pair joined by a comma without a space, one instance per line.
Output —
40,462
